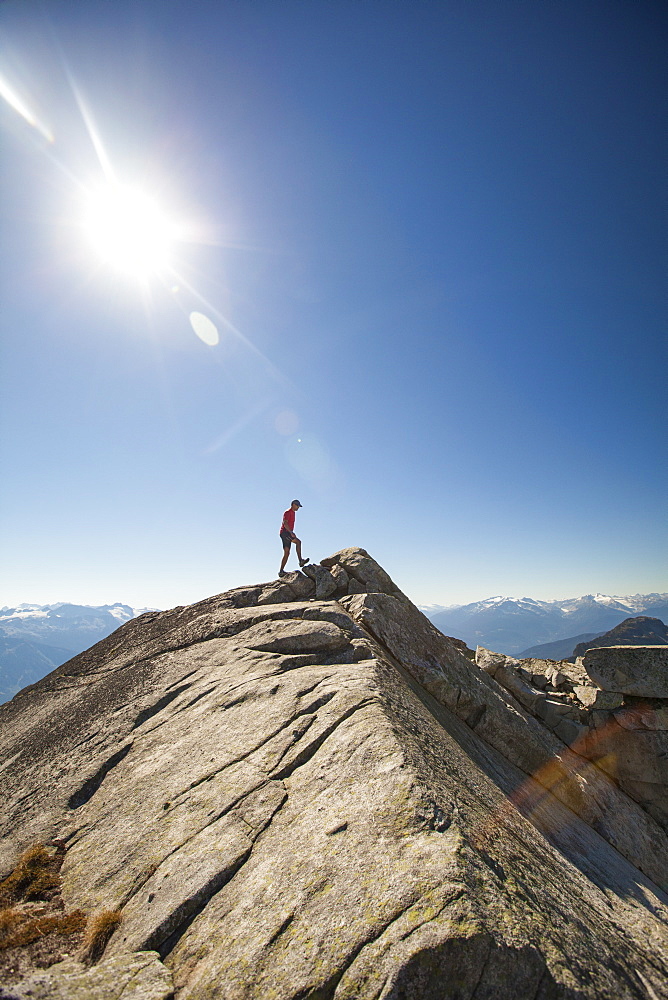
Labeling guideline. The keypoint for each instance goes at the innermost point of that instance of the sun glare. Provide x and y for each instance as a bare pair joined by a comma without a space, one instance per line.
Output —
128,230
16,102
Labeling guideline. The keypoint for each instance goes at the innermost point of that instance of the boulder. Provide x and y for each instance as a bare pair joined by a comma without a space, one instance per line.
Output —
570,731
490,661
552,711
300,585
635,670
527,695
277,593
592,697
325,584
340,577
359,565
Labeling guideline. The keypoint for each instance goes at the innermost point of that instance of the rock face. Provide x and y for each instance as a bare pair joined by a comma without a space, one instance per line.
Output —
292,791
610,706
638,670
138,976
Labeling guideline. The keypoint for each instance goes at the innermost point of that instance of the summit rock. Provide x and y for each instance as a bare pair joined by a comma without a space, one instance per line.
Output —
302,789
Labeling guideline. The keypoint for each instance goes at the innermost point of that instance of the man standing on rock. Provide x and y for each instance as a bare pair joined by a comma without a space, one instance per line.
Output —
288,536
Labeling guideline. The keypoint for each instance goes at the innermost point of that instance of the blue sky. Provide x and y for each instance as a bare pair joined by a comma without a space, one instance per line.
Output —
431,237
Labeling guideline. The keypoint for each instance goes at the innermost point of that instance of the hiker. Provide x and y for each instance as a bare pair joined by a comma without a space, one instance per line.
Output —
288,536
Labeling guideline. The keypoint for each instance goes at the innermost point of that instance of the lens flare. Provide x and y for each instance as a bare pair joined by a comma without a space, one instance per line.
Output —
205,329
17,103
311,460
286,422
128,230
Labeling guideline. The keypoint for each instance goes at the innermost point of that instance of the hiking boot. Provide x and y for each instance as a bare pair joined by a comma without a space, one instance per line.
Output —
282,572
303,562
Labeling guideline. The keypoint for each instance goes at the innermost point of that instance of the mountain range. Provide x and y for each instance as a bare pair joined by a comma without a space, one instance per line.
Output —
35,638
516,625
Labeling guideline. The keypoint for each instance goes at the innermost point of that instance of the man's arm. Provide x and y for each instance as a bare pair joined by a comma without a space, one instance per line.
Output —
284,527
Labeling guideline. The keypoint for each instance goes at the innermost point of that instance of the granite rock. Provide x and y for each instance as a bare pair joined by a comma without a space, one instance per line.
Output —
590,719
635,670
359,565
325,583
499,718
329,800
132,976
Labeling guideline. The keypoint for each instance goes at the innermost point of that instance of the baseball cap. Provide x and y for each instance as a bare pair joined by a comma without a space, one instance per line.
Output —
297,502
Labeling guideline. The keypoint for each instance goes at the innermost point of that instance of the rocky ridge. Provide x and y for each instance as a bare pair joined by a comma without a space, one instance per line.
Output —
610,706
304,790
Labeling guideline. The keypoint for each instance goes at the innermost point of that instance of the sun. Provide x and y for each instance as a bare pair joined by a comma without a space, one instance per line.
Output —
128,230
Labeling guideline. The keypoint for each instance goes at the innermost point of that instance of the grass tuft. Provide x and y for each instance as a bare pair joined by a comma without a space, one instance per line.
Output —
35,930
100,928
35,877
18,929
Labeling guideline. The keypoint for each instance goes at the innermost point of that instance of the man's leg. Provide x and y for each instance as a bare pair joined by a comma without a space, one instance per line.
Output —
298,546
286,555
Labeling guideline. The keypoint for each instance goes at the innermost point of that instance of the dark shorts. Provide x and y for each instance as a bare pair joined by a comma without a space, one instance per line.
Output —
286,539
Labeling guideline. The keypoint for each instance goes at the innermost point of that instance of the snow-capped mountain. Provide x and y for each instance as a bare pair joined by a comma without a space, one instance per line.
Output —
433,609
35,638
511,625
121,612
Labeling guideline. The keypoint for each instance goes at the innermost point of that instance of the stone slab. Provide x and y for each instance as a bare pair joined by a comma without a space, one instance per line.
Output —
634,670
134,976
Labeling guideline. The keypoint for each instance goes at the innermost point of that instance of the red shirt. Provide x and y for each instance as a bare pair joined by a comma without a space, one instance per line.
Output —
288,520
